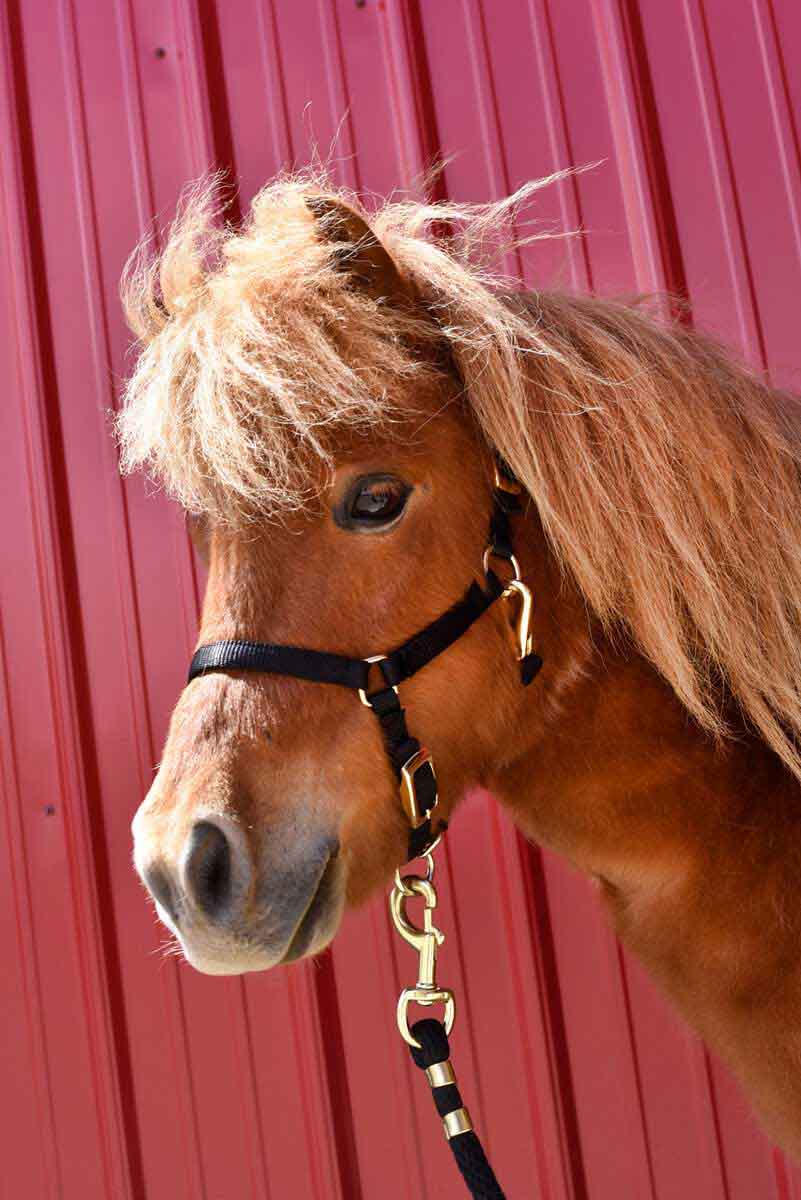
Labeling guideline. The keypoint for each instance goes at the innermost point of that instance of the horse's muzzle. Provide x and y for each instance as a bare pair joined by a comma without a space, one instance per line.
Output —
236,905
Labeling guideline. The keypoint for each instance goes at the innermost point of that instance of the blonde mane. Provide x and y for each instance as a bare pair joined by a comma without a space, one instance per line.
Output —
666,475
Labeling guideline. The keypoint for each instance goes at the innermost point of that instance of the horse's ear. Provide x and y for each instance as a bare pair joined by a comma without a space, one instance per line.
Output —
356,249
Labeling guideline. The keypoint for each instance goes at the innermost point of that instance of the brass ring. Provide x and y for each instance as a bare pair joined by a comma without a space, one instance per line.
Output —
429,857
429,875
374,658
403,886
512,560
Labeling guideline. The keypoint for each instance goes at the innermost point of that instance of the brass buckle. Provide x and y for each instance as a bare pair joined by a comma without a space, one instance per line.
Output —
408,790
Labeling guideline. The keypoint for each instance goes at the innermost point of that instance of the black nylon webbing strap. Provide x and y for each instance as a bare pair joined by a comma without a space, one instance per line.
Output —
424,646
505,505
318,666
401,749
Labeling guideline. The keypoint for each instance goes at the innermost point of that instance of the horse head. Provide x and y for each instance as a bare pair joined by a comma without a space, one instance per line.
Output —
275,805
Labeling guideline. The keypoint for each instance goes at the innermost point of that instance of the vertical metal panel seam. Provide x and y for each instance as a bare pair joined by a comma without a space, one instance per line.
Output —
641,203
546,978
315,1096
10,168
410,93
251,1107
636,1070
278,110
720,162
559,137
129,618
195,73
559,1175
207,87
101,357
497,167
310,1063
784,1187
492,139
345,161
786,132
647,146
132,98
333,1051
638,185
26,936
194,85
71,767
708,1115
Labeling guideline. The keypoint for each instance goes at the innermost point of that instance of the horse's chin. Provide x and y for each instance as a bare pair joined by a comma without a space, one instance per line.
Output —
212,954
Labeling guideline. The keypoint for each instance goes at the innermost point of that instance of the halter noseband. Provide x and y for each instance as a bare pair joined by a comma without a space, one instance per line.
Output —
410,761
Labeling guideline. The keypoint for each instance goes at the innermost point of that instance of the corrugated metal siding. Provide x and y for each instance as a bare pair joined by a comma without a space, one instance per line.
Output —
125,1074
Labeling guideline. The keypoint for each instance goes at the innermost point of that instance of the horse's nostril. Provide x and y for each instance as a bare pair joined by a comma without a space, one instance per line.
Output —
207,870
157,882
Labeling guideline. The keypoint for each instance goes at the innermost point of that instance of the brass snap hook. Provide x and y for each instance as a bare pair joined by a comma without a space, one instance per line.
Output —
426,942
517,590
413,885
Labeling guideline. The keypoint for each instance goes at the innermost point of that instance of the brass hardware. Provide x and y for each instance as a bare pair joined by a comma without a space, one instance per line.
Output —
440,1074
426,942
456,1122
490,553
408,791
523,635
516,589
374,658
400,881
503,483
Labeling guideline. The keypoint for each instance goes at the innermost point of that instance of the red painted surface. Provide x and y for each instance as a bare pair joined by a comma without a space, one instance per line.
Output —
126,1075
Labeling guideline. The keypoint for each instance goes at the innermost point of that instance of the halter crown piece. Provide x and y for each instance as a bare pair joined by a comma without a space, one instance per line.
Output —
411,762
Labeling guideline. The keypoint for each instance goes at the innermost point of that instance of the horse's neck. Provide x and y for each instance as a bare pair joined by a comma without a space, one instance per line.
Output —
696,848
618,777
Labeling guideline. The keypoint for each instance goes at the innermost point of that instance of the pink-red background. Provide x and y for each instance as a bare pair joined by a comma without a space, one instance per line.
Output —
125,1075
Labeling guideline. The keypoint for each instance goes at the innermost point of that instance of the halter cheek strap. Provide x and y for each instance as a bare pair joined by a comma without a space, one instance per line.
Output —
410,761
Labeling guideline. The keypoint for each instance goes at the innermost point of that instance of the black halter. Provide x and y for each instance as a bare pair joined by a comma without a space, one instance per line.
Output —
410,761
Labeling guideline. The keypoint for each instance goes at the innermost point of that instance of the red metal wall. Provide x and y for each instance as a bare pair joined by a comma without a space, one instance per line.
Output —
126,1075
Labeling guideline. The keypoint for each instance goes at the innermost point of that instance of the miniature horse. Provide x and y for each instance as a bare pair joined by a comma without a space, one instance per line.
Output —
327,399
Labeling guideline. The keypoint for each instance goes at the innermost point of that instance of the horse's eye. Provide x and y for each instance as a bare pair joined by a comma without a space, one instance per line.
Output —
374,501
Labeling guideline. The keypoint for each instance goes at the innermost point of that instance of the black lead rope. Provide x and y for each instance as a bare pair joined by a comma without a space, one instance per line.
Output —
433,1057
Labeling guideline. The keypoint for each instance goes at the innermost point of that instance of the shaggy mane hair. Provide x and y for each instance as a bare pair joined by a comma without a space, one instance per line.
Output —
666,475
